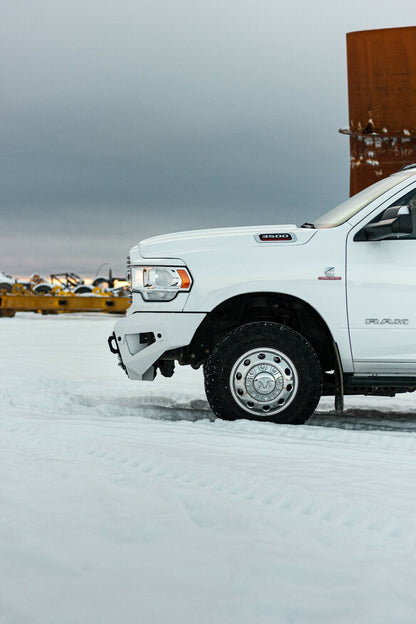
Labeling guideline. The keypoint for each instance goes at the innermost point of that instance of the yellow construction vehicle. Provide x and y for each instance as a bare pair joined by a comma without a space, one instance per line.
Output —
18,298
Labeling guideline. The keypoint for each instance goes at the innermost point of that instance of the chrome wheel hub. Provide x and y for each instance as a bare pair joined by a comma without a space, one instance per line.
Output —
263,381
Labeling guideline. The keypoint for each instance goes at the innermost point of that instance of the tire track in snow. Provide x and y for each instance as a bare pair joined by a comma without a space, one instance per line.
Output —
61,401
369,428
373,522
360,436
362,428
391,531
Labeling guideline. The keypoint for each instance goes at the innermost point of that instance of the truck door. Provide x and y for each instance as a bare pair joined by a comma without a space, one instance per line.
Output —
381,289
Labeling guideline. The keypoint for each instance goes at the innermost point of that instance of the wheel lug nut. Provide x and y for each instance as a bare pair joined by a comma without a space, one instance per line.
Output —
246,362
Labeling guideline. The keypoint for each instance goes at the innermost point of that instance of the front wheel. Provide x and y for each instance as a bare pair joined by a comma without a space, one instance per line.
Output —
263,371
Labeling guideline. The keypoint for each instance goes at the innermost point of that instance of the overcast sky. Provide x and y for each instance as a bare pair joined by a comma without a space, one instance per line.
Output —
121,119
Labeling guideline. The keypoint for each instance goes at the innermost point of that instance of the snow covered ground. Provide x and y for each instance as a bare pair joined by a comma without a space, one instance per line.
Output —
128,502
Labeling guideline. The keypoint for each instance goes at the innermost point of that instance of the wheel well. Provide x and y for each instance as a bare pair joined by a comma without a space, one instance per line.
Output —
278,308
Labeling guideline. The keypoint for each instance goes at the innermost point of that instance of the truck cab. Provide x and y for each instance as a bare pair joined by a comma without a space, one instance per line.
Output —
280,315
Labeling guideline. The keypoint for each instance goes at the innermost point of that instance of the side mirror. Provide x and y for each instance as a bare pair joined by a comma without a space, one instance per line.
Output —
398,225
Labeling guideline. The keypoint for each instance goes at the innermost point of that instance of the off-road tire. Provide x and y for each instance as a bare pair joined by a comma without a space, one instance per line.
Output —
300,398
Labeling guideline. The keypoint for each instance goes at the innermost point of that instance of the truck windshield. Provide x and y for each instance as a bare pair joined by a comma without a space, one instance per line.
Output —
340,214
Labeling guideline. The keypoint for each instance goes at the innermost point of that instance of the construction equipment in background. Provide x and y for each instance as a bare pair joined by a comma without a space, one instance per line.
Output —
70,281
6,282
64,293
381,95
75,283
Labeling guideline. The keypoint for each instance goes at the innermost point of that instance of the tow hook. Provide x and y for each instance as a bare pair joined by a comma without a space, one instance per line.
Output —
112,343
113,347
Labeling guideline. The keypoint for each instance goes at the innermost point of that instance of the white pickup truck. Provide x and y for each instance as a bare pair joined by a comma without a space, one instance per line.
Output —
280,315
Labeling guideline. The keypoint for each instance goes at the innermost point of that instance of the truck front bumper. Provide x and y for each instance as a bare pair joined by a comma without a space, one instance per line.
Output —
141,338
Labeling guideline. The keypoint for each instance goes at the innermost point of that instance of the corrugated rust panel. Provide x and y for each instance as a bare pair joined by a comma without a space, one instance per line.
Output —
382,103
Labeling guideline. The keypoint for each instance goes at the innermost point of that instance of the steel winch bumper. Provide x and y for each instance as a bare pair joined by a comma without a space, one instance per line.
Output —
141,338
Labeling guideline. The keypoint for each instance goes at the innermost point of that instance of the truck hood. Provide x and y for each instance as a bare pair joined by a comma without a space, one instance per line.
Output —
174,245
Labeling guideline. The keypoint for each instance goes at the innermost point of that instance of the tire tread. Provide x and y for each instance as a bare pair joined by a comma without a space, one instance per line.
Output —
259,334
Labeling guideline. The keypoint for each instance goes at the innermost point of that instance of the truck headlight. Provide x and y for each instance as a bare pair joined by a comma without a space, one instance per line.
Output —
160,283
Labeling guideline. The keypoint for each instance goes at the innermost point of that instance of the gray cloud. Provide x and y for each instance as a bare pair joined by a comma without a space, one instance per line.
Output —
124,119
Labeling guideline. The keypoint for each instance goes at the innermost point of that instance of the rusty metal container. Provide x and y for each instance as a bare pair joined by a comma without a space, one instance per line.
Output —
382,103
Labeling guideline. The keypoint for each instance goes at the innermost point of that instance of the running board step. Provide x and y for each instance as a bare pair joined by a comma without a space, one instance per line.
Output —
379,385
